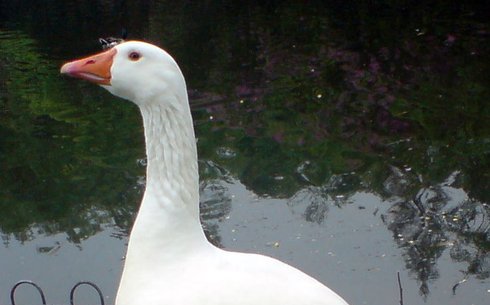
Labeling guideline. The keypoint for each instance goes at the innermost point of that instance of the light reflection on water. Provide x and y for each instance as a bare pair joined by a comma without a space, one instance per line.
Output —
352,249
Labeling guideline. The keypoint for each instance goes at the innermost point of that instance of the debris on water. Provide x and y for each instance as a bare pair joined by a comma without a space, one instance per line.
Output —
225,152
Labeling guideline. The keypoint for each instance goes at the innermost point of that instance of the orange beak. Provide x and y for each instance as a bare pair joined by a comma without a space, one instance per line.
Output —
95,69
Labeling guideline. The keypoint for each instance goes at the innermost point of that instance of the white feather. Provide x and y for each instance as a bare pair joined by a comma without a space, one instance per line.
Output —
169,261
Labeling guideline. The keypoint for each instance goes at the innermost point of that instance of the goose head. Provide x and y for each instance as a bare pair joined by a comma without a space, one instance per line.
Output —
133,70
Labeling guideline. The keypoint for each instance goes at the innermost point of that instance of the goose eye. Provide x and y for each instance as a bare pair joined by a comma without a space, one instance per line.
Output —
134,56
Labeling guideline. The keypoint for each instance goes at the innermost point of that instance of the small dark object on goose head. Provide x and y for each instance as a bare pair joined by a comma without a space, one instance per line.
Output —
110,42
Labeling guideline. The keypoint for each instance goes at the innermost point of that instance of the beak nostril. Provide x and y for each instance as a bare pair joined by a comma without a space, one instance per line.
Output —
90,62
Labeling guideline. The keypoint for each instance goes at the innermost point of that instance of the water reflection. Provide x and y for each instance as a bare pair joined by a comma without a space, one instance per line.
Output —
314,202
215,207
54,145
439,218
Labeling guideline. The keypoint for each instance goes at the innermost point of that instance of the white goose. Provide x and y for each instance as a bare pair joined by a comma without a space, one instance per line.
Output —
169,261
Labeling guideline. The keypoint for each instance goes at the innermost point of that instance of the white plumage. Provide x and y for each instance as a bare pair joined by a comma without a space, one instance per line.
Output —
169,260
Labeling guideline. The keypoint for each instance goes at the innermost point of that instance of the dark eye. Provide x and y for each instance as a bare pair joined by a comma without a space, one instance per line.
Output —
134,56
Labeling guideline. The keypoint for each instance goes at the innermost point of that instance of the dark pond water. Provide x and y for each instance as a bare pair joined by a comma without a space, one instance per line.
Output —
349,140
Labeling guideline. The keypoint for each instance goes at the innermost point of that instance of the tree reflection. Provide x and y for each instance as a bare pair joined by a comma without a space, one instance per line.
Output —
314,202
215,206
439,218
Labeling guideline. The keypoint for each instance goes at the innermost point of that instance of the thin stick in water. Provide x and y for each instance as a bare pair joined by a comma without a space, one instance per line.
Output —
400,287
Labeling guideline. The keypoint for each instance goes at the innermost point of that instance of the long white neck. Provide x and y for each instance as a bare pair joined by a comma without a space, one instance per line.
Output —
168,222
167,228
172,171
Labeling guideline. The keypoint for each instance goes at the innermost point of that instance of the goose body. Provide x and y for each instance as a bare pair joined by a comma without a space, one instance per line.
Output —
169,260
